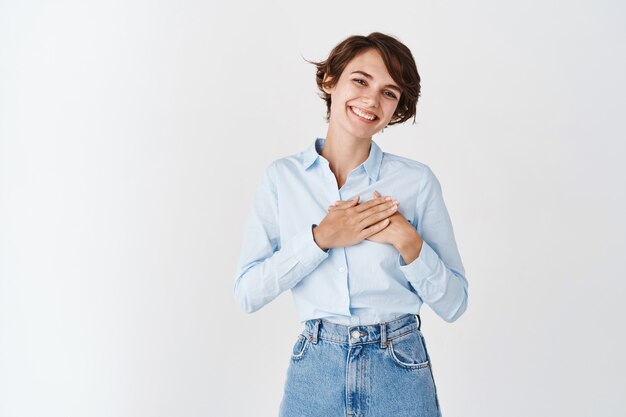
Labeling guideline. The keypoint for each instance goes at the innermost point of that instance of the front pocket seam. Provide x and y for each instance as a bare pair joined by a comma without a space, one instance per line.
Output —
304,348
404,364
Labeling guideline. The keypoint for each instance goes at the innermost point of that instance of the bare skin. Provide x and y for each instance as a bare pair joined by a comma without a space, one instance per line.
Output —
397,231
378,220
351,222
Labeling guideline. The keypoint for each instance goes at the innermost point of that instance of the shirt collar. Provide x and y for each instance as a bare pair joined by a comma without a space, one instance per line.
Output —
371,164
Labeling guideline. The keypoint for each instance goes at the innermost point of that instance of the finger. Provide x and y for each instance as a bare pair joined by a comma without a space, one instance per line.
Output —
375,228
372,203
338,203
344,203
377,195
350,202
381,214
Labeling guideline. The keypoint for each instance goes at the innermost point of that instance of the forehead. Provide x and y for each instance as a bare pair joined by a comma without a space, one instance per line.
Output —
371,62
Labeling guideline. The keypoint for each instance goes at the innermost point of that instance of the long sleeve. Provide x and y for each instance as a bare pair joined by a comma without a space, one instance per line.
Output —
269,265
437,274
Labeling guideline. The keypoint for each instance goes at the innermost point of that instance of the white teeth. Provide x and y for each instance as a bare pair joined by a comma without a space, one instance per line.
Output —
363,115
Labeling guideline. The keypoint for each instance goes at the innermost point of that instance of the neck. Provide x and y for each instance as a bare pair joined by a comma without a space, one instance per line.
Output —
344,153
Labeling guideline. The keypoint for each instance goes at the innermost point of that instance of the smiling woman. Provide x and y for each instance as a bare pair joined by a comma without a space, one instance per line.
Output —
398,64
359,265
372,102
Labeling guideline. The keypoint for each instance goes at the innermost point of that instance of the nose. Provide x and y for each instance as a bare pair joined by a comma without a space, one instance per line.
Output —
369,101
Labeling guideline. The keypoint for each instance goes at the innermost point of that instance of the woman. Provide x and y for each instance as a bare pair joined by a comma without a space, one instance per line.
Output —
360,268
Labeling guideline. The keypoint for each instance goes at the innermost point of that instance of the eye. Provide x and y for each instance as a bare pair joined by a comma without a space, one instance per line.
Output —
392,95
358,80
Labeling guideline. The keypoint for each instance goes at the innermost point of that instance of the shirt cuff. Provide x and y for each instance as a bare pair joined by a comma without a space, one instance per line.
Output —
313,226
422,267
306,250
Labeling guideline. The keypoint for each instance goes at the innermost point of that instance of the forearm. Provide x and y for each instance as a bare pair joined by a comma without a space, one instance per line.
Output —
410,247
442,287
260,280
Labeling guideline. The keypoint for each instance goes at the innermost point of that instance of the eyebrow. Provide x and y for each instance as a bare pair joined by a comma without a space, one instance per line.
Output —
366,75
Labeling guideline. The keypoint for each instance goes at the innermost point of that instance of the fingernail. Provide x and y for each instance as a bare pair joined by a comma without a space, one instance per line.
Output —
396,201
387,198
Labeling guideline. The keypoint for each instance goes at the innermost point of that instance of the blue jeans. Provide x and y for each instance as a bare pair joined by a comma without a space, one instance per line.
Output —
377,370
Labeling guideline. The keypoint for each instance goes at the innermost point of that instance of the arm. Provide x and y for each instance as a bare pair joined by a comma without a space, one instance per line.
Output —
437,274
267,266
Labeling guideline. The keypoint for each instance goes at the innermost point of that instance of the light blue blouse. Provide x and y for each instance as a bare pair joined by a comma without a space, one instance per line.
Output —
365,283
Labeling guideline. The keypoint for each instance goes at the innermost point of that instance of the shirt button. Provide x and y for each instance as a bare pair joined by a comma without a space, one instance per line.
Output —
342,269
356,334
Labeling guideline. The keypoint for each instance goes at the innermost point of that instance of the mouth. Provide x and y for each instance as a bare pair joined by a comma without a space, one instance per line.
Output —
363,115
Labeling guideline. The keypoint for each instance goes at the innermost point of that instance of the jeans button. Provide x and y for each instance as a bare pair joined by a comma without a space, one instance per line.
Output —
355,334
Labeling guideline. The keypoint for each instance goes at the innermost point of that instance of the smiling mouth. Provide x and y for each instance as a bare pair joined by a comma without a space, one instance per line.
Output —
363,115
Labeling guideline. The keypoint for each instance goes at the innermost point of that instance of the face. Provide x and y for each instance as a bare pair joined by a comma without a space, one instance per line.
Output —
365,97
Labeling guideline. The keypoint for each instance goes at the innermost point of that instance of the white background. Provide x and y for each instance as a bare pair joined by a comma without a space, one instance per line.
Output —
133,135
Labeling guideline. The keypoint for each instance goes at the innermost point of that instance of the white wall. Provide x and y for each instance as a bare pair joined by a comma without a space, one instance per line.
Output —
133,134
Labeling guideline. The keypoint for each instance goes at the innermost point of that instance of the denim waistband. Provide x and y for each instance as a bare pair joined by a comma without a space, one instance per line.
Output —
361,334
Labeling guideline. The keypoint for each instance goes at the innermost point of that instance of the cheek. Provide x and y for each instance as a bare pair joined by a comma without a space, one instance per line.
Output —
340,101
390,109
350,92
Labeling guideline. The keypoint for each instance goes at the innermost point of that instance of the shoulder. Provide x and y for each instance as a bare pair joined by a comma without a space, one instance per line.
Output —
392,163
289,163
278,168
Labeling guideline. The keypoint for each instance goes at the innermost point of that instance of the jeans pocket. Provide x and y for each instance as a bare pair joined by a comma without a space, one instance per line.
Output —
300,347
408,351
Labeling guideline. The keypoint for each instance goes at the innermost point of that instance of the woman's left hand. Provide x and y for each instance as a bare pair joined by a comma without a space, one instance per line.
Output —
399,233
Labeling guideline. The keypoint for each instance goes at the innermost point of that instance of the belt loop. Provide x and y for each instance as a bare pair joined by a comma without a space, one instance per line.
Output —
316,329
419,321
383,335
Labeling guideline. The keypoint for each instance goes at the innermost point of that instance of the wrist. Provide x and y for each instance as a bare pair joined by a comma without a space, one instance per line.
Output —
316,237
411,248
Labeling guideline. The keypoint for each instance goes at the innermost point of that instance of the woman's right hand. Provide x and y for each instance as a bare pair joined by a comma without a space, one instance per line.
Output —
351,222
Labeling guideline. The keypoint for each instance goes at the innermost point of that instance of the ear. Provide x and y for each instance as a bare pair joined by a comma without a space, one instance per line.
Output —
326,89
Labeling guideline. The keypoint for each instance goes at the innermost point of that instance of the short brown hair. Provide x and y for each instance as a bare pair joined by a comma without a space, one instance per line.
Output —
398,60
